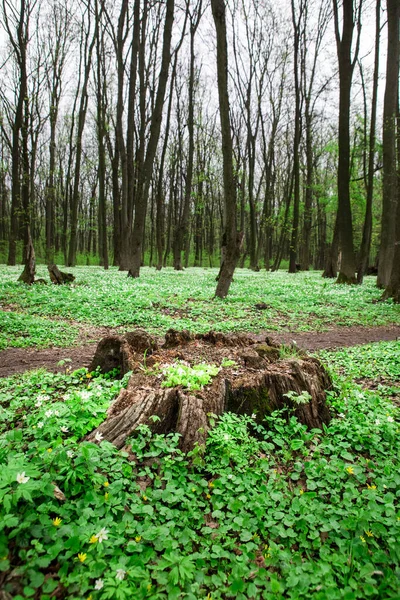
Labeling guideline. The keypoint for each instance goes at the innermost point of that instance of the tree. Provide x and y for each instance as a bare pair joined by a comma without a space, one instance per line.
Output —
181,229
16,21
367,228
346,69
390,168
144,178
57,44
231,242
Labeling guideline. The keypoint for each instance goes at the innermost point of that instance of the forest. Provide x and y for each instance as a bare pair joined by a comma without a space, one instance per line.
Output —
199,299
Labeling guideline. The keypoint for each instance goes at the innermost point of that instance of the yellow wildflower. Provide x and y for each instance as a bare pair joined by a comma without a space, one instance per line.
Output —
93,539
88,376
145,498
369,533
89,597
82,556
106,495
371,487
138,538
350,470
193,489
211,485
106,484
57,522
362,539
208,496
301,492
49,449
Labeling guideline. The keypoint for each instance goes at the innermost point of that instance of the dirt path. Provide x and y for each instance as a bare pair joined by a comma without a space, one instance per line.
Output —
18,360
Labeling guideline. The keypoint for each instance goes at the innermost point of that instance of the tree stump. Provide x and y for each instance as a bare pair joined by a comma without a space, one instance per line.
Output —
255,381
58,277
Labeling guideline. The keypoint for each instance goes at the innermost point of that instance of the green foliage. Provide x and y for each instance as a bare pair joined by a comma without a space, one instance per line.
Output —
159,300
303,398
23,330
192,378
268,510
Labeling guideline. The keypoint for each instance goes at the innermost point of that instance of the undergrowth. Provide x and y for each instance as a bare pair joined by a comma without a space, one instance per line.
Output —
159,300
264,511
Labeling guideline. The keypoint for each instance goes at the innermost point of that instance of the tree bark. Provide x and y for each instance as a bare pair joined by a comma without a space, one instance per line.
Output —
231,245
143,185
346,68
367,228
258,384
390,174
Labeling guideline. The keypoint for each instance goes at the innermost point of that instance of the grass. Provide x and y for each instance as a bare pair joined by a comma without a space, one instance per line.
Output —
267,511
183,300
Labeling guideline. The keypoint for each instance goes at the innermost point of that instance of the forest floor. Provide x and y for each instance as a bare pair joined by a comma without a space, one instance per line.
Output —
19,360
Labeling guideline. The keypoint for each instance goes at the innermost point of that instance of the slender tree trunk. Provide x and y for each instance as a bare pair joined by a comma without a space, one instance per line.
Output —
296,143
390,174
346,68
155,126
367,229
78,156
232,240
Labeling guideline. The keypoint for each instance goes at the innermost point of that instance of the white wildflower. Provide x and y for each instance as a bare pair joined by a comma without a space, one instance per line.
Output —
24,418
40,425
98,437
230,476
253,416
102,535
120,574
341,416
99,584
227,436
38,403
377,422
22,478
85,395
390,419
64,429
56,413
48,413
66,396
70,454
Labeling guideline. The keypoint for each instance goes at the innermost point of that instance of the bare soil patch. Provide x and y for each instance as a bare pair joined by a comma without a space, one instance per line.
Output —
18,360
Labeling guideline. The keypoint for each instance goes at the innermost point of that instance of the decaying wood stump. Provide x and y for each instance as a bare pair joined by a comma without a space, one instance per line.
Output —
59,277
256,382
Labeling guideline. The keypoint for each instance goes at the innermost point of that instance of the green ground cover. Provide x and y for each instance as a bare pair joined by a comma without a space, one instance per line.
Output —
183,300
267,511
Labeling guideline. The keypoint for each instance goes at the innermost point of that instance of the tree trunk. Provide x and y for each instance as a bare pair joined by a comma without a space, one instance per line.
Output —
346,68
259,383
28,274
231,245
390,175
367,229
142,189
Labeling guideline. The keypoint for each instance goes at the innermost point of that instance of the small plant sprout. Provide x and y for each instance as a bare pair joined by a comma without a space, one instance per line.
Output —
228,362
192,378
303,398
